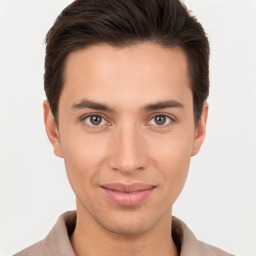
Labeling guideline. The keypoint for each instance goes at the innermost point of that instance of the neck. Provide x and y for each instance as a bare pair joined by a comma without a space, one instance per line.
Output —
90,238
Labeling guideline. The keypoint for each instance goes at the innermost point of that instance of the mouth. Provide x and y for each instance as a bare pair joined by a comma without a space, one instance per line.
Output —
128,195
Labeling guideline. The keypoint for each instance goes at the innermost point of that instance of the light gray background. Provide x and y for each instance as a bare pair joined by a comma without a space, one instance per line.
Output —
219,199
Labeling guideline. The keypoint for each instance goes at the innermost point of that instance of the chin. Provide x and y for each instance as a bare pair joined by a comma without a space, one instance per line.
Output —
127,228
129,223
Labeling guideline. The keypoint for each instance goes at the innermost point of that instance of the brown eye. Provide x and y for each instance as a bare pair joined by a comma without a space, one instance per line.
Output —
94,120
160,120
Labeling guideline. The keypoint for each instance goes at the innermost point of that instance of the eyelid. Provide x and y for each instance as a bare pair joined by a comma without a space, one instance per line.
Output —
82,118
172,118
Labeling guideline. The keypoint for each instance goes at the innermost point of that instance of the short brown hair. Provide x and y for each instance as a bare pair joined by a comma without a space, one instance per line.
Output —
122,23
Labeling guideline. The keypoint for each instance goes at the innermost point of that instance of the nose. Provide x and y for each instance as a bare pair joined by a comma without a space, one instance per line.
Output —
127,151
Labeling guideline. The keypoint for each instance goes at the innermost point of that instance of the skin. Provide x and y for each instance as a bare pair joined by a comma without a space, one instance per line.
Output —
127,145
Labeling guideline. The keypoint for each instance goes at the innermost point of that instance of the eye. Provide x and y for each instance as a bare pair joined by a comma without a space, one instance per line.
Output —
94,120
161,120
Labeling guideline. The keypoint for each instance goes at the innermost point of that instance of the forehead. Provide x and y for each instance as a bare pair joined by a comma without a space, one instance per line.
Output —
137,73
138,58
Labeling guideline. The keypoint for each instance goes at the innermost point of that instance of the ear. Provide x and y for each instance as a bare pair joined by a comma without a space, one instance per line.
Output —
200,130
52,129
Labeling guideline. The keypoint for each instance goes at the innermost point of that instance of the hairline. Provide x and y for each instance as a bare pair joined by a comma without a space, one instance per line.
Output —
124,45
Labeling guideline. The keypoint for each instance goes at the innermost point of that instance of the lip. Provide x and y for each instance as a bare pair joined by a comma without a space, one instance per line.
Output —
128,195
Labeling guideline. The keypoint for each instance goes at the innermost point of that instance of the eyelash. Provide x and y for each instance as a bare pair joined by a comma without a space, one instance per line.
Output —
93,126
172,120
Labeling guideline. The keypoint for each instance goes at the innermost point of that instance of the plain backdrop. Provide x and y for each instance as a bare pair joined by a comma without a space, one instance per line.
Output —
219,200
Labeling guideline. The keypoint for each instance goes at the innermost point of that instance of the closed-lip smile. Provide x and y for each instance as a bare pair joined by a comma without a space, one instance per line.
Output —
128,194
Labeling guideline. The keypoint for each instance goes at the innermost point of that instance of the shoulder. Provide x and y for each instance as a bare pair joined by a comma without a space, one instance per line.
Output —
189,245
206,249
34,250
57,241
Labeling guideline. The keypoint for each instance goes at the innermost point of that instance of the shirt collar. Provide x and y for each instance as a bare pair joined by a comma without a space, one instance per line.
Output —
57,241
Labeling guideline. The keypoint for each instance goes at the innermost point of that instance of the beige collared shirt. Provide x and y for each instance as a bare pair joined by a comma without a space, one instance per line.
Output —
57,242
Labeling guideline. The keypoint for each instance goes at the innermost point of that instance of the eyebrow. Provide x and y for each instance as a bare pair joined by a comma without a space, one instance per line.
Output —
93,105
163,104
150,107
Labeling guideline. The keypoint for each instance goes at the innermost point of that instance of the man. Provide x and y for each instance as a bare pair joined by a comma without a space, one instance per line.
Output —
126,84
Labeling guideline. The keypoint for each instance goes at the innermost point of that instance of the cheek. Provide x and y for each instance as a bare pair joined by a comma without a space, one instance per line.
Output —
173,149
172,159
83,156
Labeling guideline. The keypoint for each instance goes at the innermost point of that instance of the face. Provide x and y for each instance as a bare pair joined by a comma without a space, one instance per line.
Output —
126,132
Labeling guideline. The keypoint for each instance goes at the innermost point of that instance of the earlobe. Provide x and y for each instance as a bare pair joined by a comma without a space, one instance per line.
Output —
52,129
200,130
